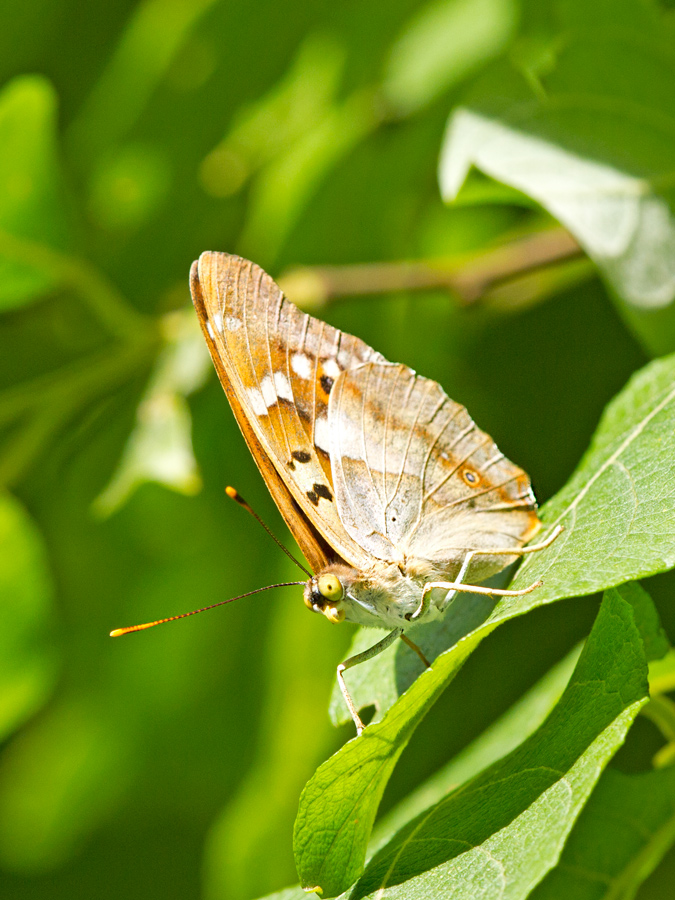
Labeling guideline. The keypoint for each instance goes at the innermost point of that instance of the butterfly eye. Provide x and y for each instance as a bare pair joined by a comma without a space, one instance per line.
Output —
330,587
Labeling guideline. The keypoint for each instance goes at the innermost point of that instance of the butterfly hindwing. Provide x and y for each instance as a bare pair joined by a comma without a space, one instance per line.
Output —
415,478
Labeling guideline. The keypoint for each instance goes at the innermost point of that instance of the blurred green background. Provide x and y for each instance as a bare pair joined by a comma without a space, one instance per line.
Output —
133,136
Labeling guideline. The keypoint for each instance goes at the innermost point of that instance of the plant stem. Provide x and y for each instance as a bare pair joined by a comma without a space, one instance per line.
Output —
468,277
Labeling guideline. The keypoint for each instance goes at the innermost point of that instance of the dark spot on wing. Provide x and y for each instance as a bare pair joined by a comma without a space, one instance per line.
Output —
470,477
293,407
322,490
326,383
312,497
291,465
301,456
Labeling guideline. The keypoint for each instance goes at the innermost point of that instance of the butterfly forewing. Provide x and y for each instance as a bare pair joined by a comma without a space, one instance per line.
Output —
279,365
415,478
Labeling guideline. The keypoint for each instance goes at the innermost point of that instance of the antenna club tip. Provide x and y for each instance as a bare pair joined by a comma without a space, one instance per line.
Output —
117,632
235,495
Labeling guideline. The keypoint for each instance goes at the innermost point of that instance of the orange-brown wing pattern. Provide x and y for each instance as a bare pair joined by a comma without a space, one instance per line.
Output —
278,366
415,479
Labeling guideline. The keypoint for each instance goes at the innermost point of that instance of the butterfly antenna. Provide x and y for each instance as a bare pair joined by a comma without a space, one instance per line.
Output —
119,631
235,495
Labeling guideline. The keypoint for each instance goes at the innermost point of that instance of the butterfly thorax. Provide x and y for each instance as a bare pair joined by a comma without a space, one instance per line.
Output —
383,597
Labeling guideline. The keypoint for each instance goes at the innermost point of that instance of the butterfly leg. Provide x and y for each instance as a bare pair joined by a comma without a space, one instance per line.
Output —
531,548
418,650
354,661
475,589
455,586
426,592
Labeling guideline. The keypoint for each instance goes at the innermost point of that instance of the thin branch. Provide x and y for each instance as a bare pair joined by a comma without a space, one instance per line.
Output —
469,277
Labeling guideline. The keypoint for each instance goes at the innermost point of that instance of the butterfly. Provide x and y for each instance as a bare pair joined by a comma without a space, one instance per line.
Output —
395,497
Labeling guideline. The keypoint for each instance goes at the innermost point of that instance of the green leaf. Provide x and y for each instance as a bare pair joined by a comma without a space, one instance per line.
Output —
617,508
481,833
523,718
619,839
588,134
31,202
27,666
504,735
619,518
507,732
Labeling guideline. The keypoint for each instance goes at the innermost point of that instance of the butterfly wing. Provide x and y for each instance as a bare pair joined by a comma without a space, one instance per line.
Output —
415,480
278,366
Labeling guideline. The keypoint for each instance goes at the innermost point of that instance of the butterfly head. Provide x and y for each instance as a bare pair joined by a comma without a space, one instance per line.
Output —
378,598
326,593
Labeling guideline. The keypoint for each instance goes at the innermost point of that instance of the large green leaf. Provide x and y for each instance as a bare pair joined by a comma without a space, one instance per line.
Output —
621,836
26,663
586,128
507,732
524,717
619,518
31,202
502,736
480,833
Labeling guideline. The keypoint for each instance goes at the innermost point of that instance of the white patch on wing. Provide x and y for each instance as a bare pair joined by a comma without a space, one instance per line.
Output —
218,322
269,392
351,441
301,365
232,323
209,328
322,434
283,386
255,398
331,368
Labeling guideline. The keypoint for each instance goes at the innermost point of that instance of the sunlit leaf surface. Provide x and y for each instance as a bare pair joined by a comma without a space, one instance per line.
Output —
621,836
478,835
